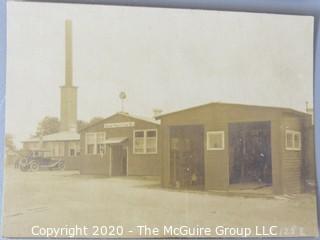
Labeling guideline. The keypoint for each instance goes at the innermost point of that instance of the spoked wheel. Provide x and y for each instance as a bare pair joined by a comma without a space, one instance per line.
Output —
34,166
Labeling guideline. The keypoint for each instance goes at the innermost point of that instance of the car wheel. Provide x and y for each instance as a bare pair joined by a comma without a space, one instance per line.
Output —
34,166
23,168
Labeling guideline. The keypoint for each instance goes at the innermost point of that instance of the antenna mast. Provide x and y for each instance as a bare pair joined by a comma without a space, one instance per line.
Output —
122,97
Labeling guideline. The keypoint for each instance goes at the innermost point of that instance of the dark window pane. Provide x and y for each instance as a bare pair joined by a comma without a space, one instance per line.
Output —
139,134
72,152
151,134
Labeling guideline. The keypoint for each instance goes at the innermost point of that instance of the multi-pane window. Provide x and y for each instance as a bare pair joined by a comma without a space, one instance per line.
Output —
95,143
72,152
78,148
90,143
151,141
145,141
139,140
100,136
293,140
215,140
74,149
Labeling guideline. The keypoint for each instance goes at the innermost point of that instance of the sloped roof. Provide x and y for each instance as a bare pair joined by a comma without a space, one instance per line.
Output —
237,104
150,120
146,119
59,136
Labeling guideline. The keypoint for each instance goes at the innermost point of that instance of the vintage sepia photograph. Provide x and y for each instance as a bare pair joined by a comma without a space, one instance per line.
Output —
158,123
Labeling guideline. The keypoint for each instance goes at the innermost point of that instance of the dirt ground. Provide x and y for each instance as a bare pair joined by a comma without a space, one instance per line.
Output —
35,202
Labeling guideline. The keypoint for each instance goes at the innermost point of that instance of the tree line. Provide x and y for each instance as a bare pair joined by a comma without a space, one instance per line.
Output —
48,125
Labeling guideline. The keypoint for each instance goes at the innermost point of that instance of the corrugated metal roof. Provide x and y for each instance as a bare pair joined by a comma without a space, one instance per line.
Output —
55,137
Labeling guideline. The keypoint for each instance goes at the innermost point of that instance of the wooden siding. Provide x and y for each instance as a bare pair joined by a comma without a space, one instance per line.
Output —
291,159
138,164
217,118
309,154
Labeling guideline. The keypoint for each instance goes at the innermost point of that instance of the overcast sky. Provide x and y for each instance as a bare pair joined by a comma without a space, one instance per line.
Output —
162,58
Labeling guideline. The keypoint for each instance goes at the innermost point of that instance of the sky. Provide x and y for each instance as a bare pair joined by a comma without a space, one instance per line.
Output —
167,59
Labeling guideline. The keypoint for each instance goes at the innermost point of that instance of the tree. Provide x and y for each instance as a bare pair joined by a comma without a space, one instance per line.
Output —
48,125
83,124
95,120
11,150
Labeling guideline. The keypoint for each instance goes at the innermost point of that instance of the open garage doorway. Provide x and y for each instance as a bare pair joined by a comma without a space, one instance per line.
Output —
187,157
250,154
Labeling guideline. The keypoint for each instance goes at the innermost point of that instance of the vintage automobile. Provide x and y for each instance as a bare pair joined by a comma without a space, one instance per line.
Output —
37,160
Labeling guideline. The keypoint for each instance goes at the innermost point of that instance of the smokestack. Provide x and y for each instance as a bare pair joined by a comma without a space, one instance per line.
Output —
68,53
68,108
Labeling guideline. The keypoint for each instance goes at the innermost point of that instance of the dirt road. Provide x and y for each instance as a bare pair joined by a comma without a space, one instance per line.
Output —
36,202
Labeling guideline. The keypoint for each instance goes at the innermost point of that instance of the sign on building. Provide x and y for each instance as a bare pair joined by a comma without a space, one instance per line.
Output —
119,124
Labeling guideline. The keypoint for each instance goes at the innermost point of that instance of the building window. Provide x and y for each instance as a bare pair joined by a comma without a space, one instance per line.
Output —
138,145
145,141
151,141
90,143
100,137
72,152
78,148
95,143
293,140
215,140
74,149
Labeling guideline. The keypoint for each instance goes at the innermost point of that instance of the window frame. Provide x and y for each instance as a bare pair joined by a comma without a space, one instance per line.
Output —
102,148
95,144
74,146
145,141
156,142
215,133
134,141
293,133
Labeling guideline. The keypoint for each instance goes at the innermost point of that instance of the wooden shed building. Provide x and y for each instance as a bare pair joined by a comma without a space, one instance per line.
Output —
121,145
218,146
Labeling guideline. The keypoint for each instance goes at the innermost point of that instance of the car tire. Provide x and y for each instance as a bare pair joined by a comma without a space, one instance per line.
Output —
23,168
34,166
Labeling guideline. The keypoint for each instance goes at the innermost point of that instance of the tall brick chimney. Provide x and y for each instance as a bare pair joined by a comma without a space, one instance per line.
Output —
68,107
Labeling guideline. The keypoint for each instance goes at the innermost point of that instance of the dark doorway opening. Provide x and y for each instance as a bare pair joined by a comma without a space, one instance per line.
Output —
250,153
119,160
187,157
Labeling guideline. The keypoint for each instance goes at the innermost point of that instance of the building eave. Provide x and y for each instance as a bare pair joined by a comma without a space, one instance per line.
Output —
122,114
283,109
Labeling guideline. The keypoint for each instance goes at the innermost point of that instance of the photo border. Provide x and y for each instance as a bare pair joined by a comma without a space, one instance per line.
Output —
290,7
